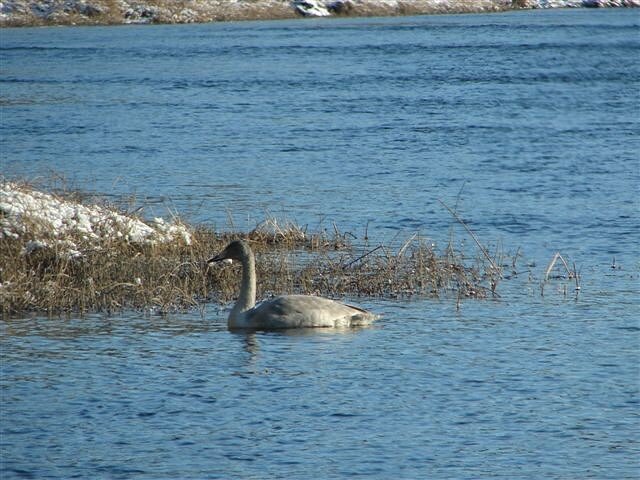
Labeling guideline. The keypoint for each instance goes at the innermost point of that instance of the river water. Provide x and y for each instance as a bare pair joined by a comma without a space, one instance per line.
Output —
528,122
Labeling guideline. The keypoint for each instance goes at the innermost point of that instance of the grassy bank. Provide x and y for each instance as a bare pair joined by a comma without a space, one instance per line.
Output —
49,264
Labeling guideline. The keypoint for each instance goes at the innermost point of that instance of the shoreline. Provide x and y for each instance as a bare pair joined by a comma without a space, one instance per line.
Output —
31,13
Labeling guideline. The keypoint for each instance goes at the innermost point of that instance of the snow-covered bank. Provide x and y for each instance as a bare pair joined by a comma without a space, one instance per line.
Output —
94,12
46,221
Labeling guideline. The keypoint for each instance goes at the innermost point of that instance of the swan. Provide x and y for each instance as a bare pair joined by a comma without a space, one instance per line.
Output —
287,311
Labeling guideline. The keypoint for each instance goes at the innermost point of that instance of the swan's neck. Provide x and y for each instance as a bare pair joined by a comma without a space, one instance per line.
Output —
247,298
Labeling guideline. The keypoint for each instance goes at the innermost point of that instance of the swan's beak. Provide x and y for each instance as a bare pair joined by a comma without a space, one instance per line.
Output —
215,259
219,258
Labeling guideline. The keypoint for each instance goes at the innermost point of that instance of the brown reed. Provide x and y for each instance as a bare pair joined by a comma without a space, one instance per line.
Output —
116,274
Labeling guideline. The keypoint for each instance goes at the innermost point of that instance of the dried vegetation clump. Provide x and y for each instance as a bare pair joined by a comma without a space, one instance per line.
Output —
113,272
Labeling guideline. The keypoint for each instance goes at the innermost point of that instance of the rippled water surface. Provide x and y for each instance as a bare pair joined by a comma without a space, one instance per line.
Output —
527,121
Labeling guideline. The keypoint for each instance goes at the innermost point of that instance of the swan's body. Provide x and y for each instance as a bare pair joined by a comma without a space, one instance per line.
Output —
287,311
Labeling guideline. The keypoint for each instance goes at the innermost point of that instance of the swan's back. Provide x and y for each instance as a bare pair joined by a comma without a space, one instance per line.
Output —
304,311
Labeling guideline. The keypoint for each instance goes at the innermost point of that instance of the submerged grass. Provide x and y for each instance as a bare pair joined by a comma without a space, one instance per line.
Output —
116,274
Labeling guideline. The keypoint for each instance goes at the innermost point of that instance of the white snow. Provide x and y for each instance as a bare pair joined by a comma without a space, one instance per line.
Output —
49,221
311,8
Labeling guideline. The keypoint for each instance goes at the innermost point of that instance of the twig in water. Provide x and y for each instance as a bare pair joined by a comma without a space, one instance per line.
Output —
344,267
552,264
406,245
570,273
473,235
459,196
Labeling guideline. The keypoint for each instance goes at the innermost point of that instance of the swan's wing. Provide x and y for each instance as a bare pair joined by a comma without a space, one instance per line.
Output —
304,311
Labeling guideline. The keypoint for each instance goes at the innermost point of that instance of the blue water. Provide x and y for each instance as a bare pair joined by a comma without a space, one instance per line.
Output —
527,121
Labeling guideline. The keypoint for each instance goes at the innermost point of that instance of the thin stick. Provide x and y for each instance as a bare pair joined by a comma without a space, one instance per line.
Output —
361,257
473,235
406,245
553,263
459,196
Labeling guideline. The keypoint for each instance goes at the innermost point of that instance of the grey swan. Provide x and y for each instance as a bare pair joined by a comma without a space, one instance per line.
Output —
287,311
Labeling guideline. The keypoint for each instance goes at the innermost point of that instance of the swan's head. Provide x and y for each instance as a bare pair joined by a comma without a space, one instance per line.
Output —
236,250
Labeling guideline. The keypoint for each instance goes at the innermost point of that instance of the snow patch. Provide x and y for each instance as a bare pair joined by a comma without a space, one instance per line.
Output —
311,8
51,222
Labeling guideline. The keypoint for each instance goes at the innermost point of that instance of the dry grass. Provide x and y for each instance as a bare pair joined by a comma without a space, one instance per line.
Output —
570,274
116,274
170,277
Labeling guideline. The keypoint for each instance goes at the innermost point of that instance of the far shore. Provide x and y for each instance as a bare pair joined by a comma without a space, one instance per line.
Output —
25,13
